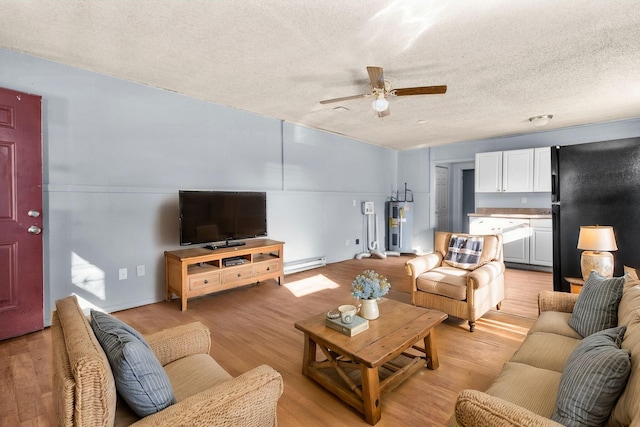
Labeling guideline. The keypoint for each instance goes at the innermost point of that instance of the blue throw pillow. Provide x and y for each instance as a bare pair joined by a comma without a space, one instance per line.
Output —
597,306
592,380
139,377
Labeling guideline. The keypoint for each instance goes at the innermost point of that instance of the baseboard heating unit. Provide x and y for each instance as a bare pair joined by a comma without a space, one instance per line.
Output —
304,264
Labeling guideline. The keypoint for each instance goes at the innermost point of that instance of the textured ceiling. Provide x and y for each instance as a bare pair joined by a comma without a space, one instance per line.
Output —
503,61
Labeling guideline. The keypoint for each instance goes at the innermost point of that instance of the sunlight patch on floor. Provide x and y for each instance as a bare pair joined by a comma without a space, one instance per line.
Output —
503,326
310,285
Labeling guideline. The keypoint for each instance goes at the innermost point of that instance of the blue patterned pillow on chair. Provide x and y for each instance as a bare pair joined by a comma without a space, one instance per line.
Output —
464,252
139,377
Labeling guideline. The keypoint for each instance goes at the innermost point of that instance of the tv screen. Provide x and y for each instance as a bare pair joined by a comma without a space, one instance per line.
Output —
214,216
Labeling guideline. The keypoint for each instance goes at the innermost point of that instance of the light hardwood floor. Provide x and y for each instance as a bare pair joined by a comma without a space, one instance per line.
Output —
254,325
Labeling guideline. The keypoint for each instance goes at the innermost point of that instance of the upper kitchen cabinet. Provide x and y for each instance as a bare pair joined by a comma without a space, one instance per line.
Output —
489,172
542,169
514,171
517,171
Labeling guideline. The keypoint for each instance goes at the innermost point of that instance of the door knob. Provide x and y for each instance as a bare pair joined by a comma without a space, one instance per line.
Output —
34,229
33,213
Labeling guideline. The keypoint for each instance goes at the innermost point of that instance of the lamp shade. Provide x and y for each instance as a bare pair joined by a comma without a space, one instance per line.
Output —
597,238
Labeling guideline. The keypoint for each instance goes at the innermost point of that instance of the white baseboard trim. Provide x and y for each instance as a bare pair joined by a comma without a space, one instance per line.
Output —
304,264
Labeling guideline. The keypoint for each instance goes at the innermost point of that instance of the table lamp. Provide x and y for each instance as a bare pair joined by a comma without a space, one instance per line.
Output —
595,241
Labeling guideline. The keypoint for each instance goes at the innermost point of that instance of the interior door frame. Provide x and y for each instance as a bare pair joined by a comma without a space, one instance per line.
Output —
455,189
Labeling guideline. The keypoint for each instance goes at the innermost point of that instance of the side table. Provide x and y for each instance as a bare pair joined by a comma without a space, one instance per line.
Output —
576,284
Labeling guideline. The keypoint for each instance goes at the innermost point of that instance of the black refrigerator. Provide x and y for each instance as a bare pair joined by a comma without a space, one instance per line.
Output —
595,184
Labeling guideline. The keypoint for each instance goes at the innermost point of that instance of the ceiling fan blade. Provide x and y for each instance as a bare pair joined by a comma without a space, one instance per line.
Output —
424,90
376,76
345,98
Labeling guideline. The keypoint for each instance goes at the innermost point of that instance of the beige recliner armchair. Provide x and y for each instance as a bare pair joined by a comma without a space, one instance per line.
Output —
462,289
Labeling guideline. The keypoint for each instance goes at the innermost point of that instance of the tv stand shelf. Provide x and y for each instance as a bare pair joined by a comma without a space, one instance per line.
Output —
198,271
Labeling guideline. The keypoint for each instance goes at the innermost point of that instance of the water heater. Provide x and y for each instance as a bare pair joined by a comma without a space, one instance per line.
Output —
400,226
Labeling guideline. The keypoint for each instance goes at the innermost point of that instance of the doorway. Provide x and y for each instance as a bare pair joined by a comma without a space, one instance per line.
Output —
458,192
442,198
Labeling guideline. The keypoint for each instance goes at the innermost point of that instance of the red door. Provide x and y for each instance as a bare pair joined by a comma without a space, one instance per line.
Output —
21,300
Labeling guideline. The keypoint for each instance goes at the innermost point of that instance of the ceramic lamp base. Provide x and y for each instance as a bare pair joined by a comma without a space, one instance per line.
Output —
601,262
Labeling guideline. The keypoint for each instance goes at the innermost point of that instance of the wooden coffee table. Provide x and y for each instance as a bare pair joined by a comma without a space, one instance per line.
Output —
360,369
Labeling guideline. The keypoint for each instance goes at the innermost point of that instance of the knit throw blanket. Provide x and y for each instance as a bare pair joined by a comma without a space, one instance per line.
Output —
464,251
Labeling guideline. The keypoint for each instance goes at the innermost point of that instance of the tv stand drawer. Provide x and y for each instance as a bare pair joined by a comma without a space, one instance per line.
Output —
266,267
233,274
204,281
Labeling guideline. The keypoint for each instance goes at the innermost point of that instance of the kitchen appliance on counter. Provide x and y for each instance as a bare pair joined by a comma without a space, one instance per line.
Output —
594,183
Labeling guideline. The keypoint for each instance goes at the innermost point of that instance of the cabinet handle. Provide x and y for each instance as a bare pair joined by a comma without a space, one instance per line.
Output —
239,275
206,281
268,268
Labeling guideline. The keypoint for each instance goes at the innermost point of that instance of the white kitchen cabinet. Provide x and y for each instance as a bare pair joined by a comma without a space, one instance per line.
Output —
517,171
514,171
541,243
542,169
515,235
488,172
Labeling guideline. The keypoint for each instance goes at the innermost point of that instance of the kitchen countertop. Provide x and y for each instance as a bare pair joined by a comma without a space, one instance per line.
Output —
531,213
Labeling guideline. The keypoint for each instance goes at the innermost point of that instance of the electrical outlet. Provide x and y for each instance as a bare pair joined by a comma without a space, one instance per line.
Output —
122,274
357,241
140,271
524,200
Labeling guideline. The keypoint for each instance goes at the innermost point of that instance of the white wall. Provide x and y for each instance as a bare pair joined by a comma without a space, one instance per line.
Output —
115,154
414,170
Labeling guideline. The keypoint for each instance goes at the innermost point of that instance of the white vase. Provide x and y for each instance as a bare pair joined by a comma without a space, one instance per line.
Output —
369,309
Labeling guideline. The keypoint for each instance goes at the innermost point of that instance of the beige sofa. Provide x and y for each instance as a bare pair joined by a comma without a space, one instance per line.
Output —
85,394
525,392
466,293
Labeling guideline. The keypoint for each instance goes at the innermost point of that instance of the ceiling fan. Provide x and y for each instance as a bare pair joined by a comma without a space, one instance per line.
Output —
381,89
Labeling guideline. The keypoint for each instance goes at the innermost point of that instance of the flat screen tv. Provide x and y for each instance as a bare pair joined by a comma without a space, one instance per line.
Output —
216,216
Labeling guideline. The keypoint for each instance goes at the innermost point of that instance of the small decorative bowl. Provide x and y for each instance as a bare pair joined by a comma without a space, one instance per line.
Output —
333,314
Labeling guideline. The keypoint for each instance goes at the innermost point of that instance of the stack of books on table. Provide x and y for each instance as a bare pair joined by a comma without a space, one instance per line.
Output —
357,325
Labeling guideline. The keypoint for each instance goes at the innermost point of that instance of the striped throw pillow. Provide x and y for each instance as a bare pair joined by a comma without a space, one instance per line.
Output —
592,380
597,305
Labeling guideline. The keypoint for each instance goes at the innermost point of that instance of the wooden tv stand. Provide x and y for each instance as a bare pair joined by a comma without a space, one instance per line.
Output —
198,271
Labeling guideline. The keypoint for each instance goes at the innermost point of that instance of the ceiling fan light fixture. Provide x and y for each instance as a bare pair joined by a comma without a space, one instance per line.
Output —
380,104
541,121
